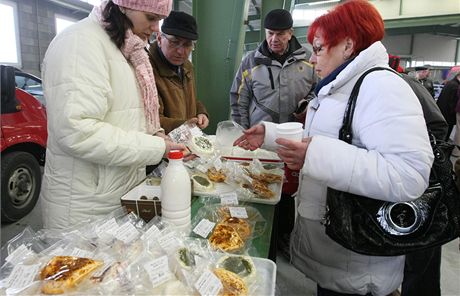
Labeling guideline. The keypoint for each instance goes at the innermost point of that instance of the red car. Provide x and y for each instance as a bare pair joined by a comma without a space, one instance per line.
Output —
23,146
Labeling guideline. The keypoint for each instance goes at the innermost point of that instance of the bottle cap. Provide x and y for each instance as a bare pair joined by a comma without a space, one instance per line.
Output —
175,154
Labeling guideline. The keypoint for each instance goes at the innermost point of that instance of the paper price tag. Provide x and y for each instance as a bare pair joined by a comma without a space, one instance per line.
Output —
238,212
76,252
19,254
158,270
127,233
204,228
109,227
152,233
229,198
22,275
208,284
168,241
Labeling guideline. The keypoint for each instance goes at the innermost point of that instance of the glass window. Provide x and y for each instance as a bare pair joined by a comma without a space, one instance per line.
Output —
30,84
10,50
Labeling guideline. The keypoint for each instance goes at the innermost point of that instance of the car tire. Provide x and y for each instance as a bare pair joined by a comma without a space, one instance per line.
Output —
21,182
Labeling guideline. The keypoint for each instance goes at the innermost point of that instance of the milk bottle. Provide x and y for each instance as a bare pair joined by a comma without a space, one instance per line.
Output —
176,192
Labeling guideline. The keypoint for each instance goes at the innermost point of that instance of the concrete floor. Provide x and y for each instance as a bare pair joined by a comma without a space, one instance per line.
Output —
289,280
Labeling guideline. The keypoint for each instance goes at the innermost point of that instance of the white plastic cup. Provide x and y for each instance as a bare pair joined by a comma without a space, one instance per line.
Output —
290,130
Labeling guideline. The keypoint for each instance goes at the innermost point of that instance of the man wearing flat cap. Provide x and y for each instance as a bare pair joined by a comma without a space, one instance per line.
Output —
174,75
275,79
274,83
421,74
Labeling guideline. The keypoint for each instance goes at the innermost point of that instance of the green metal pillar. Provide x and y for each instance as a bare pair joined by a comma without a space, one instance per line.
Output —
267,6
218,53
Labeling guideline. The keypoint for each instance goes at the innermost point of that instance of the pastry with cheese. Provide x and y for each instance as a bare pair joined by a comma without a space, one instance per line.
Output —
64,272
215,175
233,284
240,225
225,238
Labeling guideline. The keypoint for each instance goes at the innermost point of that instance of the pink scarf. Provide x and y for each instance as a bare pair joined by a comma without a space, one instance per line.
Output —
134,51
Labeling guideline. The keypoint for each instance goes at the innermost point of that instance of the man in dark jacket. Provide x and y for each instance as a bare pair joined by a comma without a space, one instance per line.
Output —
174,75
447,101
421,74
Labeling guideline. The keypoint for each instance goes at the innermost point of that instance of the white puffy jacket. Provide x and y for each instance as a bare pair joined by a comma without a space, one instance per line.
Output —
97,142
390,159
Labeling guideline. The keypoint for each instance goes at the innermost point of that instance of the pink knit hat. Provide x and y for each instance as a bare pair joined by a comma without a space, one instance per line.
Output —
160,7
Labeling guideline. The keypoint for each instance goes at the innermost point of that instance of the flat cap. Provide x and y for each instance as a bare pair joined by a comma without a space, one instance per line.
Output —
180,24
278,19
421,68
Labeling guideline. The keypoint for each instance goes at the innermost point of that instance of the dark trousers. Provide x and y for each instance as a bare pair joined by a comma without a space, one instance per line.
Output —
449,131
422,273
325,292
283,223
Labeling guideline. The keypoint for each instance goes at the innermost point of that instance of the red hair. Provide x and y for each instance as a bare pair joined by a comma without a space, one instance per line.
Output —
356,19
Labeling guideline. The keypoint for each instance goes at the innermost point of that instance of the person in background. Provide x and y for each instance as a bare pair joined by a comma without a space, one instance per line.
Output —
394,62
422,269
174,76
456,151
390,158
422,74
102,106
447,103
274,83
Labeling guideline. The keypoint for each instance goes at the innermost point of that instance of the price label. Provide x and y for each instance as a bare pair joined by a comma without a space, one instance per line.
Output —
127,233
238,212
158,271
208,284
229,198
168,241
108,227
152,233
22,276
19,254
204,228
77,252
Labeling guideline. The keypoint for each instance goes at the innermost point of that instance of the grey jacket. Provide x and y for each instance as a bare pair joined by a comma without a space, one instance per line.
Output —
266,90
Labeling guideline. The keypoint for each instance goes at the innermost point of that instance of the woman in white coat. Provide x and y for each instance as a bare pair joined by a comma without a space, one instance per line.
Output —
390,157
102,107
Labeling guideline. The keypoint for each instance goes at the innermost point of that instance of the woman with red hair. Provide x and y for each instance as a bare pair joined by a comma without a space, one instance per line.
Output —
389,159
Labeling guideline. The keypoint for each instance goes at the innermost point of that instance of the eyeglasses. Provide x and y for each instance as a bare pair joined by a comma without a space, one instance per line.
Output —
176,44
317,49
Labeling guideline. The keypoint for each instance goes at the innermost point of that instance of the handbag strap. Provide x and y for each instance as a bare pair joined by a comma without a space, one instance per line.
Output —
345,133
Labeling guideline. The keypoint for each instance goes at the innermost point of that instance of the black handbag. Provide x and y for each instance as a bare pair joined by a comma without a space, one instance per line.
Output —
380,228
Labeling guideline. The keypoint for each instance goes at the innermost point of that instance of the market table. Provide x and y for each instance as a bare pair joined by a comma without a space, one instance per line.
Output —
262,243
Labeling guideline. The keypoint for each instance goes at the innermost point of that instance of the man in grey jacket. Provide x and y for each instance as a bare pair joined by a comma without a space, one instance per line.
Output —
275,80
275,83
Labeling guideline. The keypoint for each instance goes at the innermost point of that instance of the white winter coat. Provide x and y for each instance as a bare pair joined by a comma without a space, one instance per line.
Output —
97,142
390,159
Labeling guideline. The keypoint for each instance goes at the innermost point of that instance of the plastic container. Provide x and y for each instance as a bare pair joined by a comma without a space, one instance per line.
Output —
176,192
290,130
